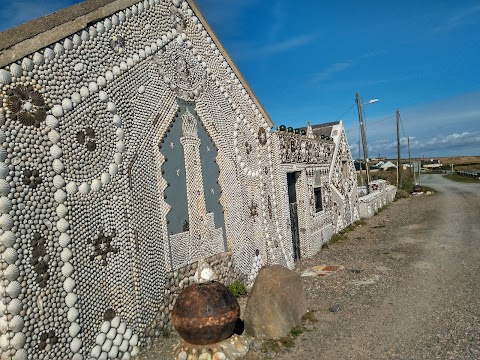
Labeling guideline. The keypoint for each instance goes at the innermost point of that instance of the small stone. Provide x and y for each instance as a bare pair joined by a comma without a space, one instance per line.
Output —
334,308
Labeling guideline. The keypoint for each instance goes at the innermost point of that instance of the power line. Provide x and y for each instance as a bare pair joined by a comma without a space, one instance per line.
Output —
350,108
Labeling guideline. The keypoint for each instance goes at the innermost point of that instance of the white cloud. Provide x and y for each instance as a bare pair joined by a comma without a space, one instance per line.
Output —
331,70
462,17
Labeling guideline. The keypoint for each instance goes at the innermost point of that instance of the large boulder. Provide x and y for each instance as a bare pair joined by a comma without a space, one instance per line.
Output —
276,303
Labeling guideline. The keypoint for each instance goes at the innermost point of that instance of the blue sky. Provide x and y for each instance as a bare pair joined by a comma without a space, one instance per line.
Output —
306,60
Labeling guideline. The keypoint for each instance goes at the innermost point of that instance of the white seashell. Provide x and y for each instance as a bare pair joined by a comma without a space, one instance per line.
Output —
136,350
117,341
84,188
121,16
121,328
16,324
4,187
100,339
64,240
71,188
72,314
75,345
74,329
27,64
6,222
49,54
16,70
63,225
13,289
77,40
102,82
67,104
60,196
112,333
115,20
3,170
76,98
51,121
103,96
117,120
57,111
4,325
115,322
107,345
134,340
105,328
68,44
38,59
71,299
3,154
111,107
66,254
207,274
5,77
141,89
59,49
120,146
69,285
15,306
118,158
108,23
2,136
105,178
85,35
6,204
96,185
12,272
109,76
123,66
92,87
10,255
128,334
55,151
4,342
57,166
112,170
53,136
124,346
100,28
18,340
116,70
120,134
58,181
84,92
96,351
21,354
93,32
61,210
112,354
7,239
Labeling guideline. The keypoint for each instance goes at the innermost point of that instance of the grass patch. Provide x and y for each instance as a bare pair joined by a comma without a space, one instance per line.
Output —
341,235
237,288
461,178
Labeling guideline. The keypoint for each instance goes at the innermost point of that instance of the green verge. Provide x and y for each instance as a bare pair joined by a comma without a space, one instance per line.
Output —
460,178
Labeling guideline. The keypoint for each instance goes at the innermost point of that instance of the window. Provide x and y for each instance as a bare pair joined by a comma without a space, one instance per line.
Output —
318,199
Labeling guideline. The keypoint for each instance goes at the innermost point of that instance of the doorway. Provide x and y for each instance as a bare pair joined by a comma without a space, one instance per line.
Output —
292,200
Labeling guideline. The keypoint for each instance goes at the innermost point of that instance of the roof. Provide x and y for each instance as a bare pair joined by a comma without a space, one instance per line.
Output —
27,38
322,129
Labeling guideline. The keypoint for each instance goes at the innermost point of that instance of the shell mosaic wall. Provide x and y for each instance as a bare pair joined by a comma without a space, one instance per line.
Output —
130,151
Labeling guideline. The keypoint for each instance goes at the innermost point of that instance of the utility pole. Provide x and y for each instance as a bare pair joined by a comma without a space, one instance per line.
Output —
360,161
364,138
409,158
399,162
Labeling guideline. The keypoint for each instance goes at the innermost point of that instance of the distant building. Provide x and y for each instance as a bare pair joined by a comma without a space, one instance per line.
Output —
431,164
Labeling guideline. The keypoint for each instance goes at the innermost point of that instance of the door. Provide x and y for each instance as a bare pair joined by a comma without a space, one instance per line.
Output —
292,200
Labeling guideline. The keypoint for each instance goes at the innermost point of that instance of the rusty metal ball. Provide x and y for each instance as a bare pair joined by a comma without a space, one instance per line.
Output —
205,313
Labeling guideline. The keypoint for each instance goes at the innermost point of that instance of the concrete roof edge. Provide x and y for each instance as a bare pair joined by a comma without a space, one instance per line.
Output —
229,60
22,40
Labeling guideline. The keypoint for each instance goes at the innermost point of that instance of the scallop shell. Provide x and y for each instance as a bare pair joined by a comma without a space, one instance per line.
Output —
64,240
102,95
76,98
105,328
13,289
75,345
7,238
84,188
112,354
59,49
27,64
67,270
67,104
71,299
57,166
120,146
96,352
15,306
117,120
69,285
124,346
5,204
112,333
55,151
38,58
71,188
49,53
3,170
53,136
115,322
107,345
105,178
134,340
18,340
4,343
128,334
111,107
85,35
66,255
63,225
5,77
16,324
60,196
58,181
12,272
121,328
51,121
77,40
96,184
21,354
16,70
72,314
2,136
61,211
74,329
57,111
118,158
6,222
113,169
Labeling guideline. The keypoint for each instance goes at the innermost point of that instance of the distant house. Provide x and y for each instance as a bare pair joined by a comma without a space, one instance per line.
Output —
431,164
383,165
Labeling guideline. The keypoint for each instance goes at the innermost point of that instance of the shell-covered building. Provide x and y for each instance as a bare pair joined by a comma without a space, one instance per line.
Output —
131,148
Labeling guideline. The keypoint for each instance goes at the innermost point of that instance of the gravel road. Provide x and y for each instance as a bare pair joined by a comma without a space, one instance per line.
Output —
414,292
